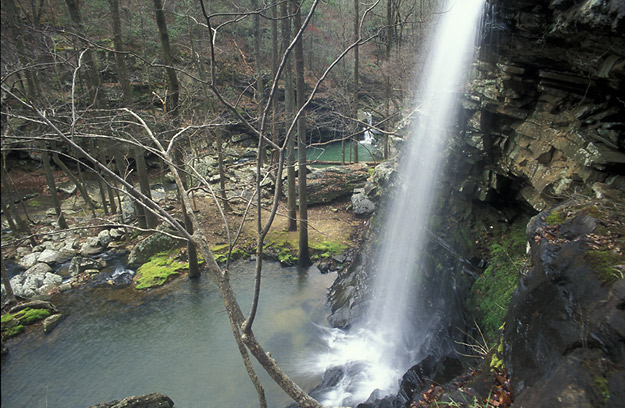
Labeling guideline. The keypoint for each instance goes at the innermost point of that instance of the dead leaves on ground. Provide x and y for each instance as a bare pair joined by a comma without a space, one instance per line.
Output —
500,395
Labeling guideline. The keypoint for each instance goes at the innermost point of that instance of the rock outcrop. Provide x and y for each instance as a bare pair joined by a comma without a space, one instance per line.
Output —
155,400
544,114
152,245
565,327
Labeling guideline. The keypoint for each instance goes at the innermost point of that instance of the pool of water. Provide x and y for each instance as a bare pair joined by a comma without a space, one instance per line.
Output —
175,340
332,152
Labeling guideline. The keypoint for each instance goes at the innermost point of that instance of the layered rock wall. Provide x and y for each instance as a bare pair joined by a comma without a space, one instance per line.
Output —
545,115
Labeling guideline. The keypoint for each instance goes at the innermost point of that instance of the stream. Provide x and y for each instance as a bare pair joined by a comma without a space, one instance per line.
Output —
118,342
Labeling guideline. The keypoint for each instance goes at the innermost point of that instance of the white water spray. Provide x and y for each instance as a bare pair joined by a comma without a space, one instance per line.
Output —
395,336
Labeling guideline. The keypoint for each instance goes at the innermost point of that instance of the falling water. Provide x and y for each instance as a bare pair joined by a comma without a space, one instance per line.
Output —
376,352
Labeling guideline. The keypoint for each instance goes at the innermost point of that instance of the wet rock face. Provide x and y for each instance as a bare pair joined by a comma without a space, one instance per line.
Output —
565,326
543,115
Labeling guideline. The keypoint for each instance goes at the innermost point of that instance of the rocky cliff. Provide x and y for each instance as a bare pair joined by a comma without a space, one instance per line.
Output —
545,111
542,133
544,128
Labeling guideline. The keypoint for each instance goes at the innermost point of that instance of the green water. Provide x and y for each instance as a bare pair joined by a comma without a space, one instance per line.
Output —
177,340
332,152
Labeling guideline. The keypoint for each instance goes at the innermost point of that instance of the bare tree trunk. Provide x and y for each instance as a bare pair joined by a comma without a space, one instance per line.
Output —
303,258
14,21
45,157
174,112
356,85
260,86
122,70
7,282
387,88
74,179
221,169
13,217
194,269
145,217
289,101
92,73
172,78
274,71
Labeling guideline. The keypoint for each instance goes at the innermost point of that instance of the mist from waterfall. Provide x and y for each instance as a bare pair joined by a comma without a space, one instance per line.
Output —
395,335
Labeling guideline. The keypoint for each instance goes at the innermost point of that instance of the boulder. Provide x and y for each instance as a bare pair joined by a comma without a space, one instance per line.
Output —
91,247
29,260
155,400
104,237
361,203
158,192
35,304
116,233
68,188
23,251
50,256
327,184
38,269
78,264
36,280
152,245
52,321
567,313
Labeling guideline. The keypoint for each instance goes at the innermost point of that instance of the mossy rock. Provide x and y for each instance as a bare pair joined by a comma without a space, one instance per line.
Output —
327,249
13,323
285,244
220,252
158,269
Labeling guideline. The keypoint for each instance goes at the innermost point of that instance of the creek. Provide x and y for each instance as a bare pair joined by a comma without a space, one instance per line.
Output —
118,342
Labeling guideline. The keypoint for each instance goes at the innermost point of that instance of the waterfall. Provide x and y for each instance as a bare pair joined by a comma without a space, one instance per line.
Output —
369,138
395,335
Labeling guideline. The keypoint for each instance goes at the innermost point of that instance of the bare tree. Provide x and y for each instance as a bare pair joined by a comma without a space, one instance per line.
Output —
241,324
356,75
303,255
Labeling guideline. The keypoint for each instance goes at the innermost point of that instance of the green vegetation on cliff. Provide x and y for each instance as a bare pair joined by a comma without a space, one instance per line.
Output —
492,292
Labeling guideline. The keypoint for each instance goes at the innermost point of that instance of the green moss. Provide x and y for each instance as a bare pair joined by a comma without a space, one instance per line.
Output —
496,362
158,269
555,218
602,385
13,323
285,243
326,249
287,258
35,202
604,265
220,253
491,293
30,316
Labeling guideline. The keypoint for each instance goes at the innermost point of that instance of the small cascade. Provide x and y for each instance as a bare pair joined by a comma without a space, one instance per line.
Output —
397,332
368,132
